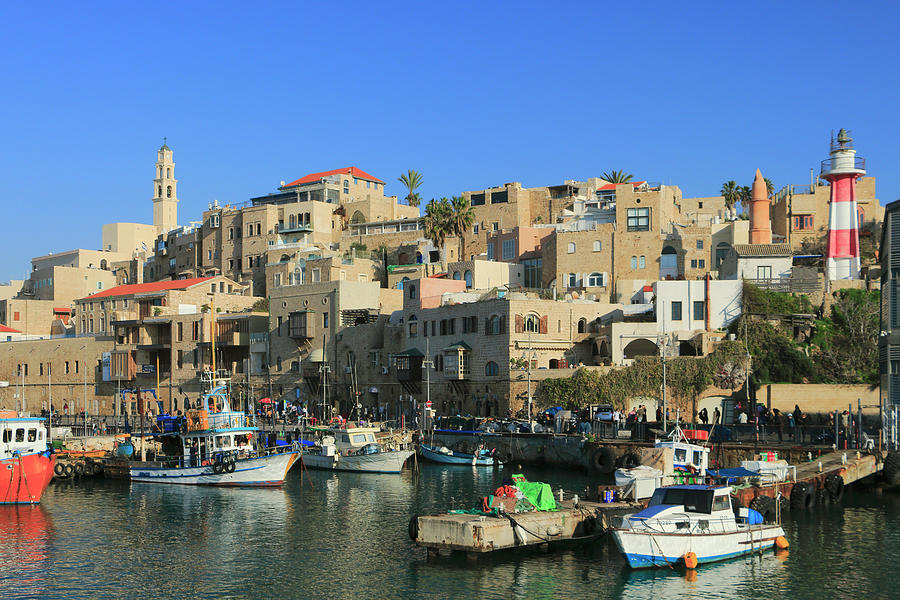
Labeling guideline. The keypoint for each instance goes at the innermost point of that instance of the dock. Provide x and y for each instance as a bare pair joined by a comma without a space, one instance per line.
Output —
477,534
818,481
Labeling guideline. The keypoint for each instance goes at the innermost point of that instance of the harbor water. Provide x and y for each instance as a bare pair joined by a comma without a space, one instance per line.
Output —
345,535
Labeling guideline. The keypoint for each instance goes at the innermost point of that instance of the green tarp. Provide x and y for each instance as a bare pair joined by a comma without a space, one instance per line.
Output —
539,494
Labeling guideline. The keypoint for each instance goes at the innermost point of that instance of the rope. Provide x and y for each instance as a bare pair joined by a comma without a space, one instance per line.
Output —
24,476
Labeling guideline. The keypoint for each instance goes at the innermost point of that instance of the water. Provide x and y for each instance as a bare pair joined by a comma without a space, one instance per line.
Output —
346,536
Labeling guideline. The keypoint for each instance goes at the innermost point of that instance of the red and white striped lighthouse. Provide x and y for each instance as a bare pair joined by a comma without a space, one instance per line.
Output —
842,170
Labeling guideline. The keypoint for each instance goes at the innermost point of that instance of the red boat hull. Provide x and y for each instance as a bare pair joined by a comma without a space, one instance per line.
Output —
23,479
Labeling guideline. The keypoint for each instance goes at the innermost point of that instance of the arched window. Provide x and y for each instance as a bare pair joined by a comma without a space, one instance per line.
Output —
413,326
598,246
358,217
168,191
491,369
456,275
571,247
554,363
418,258
412,292
595,280
159,192
292,221
668,263
468,278
346,186
582,325
278,364
860,215
402,282
168,173
532,323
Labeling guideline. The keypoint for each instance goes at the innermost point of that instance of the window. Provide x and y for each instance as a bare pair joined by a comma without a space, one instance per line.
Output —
634,262
721,252
475,229
490,255
16,316
509,249
467,276
231,233
258,231
699,244
638,219
573,280
492,326
595,280
676,311
325,320
180,359
76,366
67,367
168,191
571,248
495,226
412,292
278,326
764,272
598,246
803,222
99,285
278,364
532,323
346,186
316,275
491,369
699,310
701,263
693,263
413,326
642,262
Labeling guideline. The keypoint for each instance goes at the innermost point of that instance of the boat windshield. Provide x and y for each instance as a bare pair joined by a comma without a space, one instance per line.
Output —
693,500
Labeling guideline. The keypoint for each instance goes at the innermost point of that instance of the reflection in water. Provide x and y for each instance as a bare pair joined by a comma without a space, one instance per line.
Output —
345,535
25,539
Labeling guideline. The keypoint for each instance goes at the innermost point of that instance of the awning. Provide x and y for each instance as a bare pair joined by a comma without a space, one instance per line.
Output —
458,346
410,352
265,401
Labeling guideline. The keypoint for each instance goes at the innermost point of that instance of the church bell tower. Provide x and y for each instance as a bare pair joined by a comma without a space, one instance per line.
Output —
165,199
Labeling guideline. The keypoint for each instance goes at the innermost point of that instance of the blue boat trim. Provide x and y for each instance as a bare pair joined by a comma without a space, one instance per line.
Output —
637,561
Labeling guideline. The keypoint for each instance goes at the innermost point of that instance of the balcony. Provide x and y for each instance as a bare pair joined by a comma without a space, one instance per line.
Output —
298,228
843,164
298,325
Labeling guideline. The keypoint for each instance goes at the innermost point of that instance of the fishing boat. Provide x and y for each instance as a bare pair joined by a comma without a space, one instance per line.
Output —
684,462
214,445
26,458
349,448
443,455
689,525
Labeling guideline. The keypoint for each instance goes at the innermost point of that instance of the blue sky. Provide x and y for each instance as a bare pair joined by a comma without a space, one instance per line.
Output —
469,94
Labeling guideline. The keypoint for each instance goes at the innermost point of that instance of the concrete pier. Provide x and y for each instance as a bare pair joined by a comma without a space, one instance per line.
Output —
479,533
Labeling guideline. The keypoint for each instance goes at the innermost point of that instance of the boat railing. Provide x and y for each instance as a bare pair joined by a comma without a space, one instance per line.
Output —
209,459
686,524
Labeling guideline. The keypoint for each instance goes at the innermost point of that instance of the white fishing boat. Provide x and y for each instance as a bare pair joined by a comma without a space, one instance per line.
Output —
679,461
214,445
355,449
690,525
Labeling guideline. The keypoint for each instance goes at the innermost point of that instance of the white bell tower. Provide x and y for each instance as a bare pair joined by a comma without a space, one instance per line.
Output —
165,198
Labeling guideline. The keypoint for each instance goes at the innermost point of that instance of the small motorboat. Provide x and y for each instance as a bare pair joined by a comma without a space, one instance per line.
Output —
689,525
443,455
351,448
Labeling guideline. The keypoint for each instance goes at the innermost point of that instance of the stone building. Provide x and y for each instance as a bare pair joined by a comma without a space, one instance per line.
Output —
889,338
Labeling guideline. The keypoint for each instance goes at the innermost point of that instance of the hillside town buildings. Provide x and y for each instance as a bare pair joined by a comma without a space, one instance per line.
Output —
328,293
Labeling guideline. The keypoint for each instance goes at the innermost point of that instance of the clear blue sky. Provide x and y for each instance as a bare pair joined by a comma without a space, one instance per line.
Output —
470,94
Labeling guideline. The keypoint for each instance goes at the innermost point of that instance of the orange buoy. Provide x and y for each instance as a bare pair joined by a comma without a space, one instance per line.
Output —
690,560
781,543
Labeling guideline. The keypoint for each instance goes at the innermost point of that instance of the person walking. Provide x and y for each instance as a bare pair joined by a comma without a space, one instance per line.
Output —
779,424
798,423
704,416
717,416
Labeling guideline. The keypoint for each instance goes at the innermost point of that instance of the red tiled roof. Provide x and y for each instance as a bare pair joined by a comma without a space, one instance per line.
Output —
612,186
141,288
314,177
648,288
62,310
5,329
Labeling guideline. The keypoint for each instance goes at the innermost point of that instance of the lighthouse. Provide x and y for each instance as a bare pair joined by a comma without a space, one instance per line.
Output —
842,170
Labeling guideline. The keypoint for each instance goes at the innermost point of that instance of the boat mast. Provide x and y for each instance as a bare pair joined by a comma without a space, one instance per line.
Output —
212,327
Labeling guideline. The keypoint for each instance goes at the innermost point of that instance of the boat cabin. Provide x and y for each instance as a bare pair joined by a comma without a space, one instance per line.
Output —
704,499
25,435
353,439
687,456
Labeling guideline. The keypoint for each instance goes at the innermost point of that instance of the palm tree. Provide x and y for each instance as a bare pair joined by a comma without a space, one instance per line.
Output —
746,195
462,215
770,187
731,193
438,222
412,180
617,176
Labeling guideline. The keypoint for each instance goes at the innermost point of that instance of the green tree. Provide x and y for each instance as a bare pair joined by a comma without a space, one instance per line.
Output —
617,176
845,348
770,187
731,193
438,222
413,181
462,215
